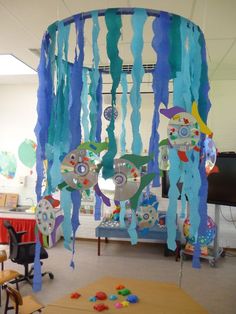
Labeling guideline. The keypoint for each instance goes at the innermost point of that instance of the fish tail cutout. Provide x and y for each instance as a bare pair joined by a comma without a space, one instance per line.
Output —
37,280
203,127
132,229
138,20
145,180
122,214
84,105
58,221
95,147
113,23
66,206
171,112
161,77
182,156
137,160
76,202
124,100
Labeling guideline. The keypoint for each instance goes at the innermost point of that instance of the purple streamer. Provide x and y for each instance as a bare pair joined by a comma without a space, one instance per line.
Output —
58,221
169,113
105,199
161,76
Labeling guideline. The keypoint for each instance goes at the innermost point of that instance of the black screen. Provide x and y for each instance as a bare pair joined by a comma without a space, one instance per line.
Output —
221,185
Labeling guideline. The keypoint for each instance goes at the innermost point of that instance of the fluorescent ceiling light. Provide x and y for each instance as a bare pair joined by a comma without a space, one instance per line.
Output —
10,65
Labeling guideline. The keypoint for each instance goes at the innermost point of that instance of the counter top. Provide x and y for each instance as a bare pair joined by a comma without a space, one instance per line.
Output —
16,211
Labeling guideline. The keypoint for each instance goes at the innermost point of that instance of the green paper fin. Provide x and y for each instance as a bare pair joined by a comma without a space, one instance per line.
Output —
145,180
96,148
137,160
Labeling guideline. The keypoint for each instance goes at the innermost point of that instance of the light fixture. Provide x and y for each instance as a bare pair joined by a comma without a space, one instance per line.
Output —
10,65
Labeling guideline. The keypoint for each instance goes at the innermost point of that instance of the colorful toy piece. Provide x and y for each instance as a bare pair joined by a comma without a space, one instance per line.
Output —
100,307
118,305
75,295
120,287
124,292
92,299
132,298
112,297
100,295
125,303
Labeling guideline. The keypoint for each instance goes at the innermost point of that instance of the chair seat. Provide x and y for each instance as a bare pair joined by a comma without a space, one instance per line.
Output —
7,275
30,305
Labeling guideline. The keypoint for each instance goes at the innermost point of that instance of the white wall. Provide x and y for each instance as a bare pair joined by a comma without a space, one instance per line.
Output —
18,119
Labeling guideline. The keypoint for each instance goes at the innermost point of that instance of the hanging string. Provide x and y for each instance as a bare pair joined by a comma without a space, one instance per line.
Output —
124,100
161,76
138,20
113,23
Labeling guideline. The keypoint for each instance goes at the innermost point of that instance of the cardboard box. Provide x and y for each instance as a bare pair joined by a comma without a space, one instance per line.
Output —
2,199
11,200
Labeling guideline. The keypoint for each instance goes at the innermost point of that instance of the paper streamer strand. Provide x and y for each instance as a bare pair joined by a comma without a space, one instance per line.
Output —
113,23
161,76
138,19
84,106
124,101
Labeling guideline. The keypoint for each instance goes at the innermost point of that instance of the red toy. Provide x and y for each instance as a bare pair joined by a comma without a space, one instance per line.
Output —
75,295
120,287
101,295
100,307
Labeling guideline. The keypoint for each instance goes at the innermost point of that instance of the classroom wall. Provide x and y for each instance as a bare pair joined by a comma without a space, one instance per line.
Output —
18,118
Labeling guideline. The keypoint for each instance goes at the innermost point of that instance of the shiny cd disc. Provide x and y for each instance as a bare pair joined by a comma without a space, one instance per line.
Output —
125,182
183,131
45,217
79,169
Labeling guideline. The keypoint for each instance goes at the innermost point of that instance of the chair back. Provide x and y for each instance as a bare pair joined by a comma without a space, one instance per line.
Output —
15,297
13,240
3,258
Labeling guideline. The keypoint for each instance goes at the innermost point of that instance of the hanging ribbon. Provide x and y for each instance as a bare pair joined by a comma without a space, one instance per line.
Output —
99,109
84,105
161,76
113,23
124,100
138,20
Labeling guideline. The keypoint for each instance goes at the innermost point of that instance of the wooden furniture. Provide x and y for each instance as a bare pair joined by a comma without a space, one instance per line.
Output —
6,275
22,305
112,229
154,297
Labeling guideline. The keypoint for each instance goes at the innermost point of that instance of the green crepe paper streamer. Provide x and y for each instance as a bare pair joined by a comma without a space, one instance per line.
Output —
124,100
27,153
113,23
66,205
145,180
96,148
84,106
175,46
137,160
138,19
7,165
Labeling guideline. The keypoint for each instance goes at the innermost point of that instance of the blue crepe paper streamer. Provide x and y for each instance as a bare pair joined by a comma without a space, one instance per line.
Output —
37,280
138,20
124,100
99,109
113,23
132,229
84,106
196,63
161,76
66,205
122,214
76,201
93,104
173,194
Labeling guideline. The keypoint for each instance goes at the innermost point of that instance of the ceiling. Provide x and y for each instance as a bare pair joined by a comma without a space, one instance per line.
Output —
23,22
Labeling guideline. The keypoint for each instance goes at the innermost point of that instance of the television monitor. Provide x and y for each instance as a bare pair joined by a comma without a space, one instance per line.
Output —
221,185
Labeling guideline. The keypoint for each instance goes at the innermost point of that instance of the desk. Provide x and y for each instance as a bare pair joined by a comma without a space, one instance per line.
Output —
155,297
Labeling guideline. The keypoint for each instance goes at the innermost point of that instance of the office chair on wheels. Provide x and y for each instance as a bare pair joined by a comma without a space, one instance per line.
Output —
24,252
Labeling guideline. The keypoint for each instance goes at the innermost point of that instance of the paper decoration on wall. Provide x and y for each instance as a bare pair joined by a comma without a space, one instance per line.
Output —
27,153
163,158
210,154
203,240
108,113
7,164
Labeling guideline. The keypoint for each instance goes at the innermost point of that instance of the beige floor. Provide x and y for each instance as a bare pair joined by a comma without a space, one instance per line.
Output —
214,288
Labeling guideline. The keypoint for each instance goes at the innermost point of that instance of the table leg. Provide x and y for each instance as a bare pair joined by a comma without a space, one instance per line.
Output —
99,245
106,240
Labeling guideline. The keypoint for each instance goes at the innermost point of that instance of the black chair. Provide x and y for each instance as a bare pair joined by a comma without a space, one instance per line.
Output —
24,252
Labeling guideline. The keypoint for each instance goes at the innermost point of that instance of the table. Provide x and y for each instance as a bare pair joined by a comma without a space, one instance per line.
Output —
155,297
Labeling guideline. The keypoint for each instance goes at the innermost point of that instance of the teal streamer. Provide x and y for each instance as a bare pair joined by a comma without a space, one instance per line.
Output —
138,20
84,105
124,100
113,23
66,205
196,63
175,46
174,175
132,229
122,214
